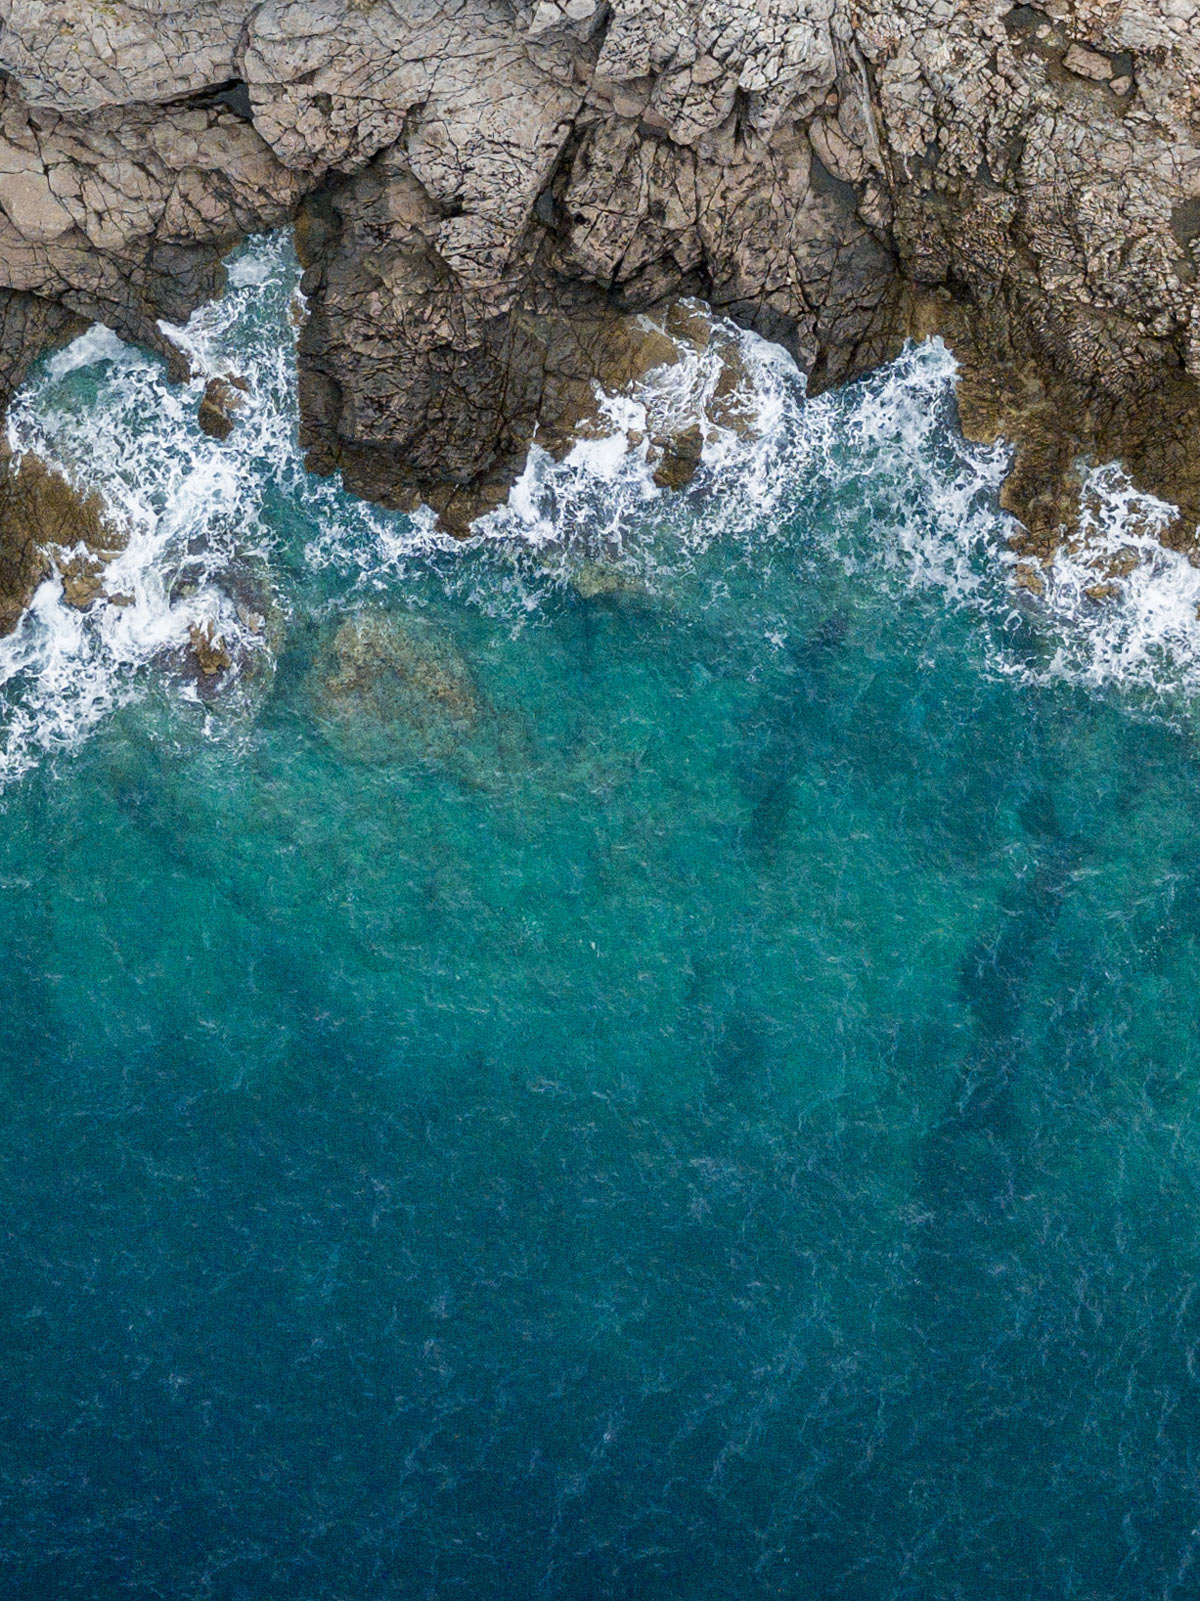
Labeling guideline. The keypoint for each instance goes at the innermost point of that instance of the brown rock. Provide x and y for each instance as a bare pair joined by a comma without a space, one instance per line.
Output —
82,579
1123,563
680,456
41,516
1056,423
209,650
23,562
221,399
1099,593
1026,576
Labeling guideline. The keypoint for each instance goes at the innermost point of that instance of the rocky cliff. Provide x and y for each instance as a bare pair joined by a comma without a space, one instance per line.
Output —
485,189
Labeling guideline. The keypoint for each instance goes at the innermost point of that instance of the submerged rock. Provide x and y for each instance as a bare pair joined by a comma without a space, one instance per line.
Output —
599,580
392,687
395,669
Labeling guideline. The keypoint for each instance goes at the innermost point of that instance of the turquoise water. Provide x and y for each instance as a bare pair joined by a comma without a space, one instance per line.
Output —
687,1091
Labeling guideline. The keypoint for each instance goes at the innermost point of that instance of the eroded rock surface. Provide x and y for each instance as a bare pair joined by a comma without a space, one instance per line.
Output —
491,189
122,215
604,163
1045,175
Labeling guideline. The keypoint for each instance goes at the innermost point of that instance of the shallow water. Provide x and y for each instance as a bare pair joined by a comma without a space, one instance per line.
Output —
688,1092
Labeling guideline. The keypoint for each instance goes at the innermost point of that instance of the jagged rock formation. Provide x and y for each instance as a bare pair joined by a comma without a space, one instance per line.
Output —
122,214
1045,176
490,187
642,169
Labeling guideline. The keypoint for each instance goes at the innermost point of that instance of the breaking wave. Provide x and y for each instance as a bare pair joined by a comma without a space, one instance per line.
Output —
207,520
232,537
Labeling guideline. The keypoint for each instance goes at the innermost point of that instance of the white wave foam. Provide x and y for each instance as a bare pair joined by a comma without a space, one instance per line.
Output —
785,470
252,269
875,478
96,345
601,501
200,553
1125,605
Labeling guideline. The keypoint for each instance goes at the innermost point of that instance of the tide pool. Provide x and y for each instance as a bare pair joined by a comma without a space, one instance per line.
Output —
677,1087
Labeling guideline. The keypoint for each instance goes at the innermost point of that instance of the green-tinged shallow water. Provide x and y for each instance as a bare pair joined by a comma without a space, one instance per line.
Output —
683,1094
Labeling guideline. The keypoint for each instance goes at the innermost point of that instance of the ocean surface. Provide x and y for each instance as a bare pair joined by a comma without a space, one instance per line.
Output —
649,1054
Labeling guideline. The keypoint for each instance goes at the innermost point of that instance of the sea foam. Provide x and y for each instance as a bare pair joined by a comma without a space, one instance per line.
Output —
874,478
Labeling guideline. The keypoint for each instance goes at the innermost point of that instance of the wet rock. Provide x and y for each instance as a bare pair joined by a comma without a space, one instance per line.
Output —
254,622
1057,424
23,562
1026,576
82,579
222,397
423,372
45,523
458,506
230,655
1123,563
231,652
1099,593
731,404
679,456
210,653
434,419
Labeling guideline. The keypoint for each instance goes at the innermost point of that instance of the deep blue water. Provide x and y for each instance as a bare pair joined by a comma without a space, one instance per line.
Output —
687,1092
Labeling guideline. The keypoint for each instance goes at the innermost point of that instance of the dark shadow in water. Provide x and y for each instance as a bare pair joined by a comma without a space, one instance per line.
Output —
814,650
971,1156
973,1167
741,1068
785,730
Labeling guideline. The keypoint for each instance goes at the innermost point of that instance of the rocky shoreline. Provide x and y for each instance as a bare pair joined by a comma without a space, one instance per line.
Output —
487,192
